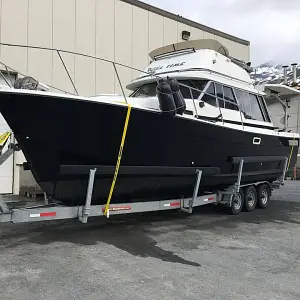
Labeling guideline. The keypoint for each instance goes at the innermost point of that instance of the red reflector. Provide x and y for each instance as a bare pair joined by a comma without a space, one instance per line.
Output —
211,198
48,214
175,204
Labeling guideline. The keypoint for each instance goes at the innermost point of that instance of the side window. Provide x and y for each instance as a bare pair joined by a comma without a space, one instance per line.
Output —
264,108
230,102
209,96
186,92
220,96
197,87
256,112
244,102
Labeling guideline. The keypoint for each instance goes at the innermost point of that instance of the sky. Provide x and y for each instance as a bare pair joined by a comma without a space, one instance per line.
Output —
271,26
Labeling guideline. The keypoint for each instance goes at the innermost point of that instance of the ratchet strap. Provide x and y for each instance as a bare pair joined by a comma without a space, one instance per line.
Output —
106,211
4,137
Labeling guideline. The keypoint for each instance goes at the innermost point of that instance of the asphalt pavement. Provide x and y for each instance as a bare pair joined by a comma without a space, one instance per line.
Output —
165,255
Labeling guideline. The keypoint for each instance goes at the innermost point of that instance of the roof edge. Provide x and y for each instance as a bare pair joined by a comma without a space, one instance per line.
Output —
186,21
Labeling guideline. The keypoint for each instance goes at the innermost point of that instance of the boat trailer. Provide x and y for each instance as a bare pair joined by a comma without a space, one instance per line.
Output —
54,211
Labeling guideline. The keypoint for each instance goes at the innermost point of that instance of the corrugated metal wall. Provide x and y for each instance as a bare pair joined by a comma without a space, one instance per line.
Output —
110,29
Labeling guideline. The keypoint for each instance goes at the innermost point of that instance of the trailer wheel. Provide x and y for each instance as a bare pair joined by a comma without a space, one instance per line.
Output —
237,203
250,198
263,195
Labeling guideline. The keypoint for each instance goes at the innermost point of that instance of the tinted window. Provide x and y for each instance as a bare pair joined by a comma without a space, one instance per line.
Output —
197,85
264,108
244,102
146,90
209,96
149,89
230,102
219,92
255,108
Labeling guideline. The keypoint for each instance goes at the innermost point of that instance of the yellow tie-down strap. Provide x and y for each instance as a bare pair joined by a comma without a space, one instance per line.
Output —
106,211
4,137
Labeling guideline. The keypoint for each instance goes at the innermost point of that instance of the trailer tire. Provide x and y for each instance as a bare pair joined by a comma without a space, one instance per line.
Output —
263,195
237,203
250,198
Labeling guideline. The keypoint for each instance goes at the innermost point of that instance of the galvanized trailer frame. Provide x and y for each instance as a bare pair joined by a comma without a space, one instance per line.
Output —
82,213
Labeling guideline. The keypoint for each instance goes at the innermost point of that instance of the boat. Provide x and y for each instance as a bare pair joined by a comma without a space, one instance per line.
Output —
221,118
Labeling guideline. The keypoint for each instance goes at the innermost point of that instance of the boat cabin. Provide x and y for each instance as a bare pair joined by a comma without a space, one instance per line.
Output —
215,86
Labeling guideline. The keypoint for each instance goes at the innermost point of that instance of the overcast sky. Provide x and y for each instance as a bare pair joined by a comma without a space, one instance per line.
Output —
271,26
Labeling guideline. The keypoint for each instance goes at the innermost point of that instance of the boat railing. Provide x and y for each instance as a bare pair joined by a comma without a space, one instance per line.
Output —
115,66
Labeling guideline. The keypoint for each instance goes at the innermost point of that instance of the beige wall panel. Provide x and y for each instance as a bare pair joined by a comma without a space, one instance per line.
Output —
13,31
85,76
105,29
40,23
64,24
170,31
63,38
208,35
60,77
196,33
40,34
105,78
227,43
181,27
123,41
40,65
105,45
140,41
85,26
156,34
85,43
240,51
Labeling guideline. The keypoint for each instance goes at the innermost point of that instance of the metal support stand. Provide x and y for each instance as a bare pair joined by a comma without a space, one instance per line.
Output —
46,199
284,171
195,194
6,155
238,183
87,206
225,197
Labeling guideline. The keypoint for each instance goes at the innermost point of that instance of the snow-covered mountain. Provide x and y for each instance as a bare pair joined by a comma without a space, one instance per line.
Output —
270,72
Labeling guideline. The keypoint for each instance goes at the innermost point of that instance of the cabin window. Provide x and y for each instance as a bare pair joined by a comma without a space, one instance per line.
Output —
197,87
230,102
251,106
244,102
146,90
264,109
149,89
256,112
220,95
210,96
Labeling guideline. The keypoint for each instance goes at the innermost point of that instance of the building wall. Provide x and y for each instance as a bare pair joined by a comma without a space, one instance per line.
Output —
293,111
111,29
124,31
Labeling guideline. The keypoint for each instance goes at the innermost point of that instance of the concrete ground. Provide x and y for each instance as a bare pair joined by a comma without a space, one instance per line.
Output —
168,255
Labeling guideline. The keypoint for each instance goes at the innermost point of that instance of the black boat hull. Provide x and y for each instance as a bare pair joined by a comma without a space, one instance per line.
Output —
161,154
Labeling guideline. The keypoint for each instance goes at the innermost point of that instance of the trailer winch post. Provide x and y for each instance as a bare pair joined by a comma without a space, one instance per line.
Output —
87,207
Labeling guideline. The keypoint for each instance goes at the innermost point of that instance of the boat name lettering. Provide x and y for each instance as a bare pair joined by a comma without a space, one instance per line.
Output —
167,66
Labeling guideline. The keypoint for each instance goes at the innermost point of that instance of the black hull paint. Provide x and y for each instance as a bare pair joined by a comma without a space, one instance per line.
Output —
53,132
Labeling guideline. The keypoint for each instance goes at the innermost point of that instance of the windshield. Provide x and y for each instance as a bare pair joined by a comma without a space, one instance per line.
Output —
149,89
